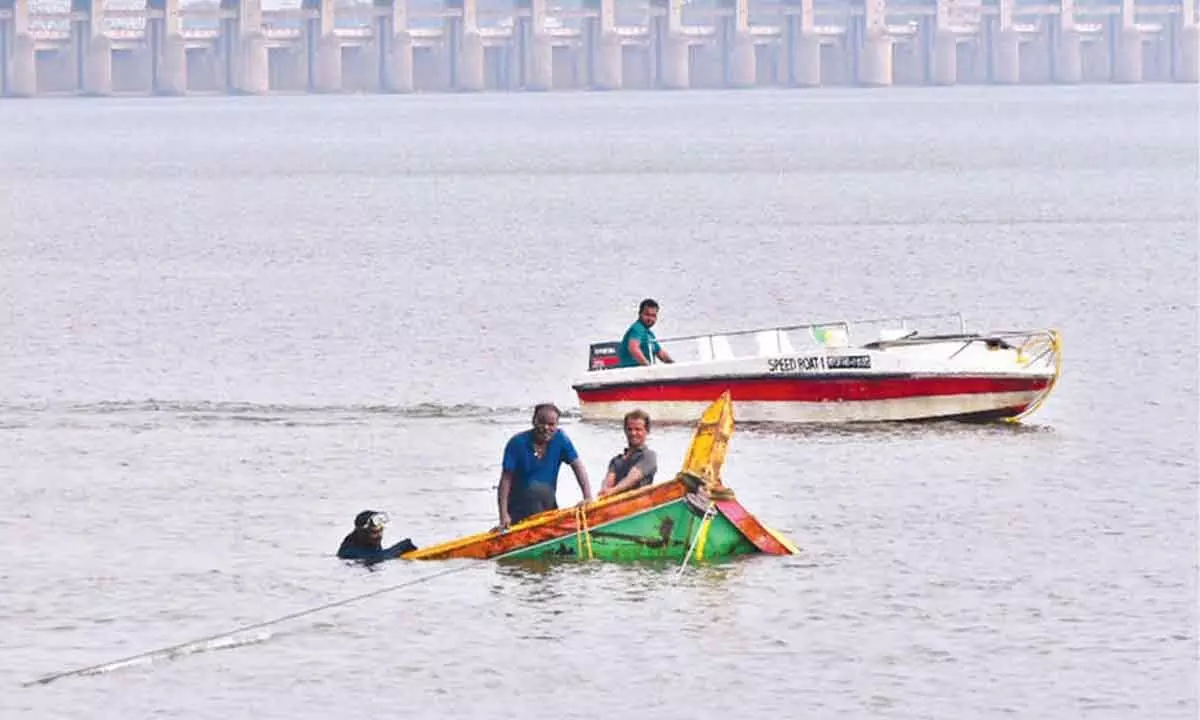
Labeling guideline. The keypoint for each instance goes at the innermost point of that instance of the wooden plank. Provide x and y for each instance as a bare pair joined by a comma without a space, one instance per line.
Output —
762,538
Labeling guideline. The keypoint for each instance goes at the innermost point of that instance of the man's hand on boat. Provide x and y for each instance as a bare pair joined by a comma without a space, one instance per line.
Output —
505,522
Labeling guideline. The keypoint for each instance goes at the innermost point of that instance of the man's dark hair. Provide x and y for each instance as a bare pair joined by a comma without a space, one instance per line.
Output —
647,303
537,409
639,415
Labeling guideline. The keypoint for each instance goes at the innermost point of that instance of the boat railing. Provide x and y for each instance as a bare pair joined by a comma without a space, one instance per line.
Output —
1033,347
788,339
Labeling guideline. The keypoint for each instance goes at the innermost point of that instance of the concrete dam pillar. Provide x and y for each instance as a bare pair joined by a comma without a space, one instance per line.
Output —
324,49
327,70
945,58
400,75
540,63
469,63
1068,57
1127,65
1127,62
741,63
464,46
1188,70
1067,54
93,49
803,46
395,46
945,42
245,50
603,47
675,72
536,61
1006,46
806,60
168,57
875,67
1008,57
609,63
670,46
18,65
875,52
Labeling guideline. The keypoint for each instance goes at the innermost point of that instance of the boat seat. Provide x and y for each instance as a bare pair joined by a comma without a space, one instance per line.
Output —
768,342
774,342
704,350
785,344
721,348
831,336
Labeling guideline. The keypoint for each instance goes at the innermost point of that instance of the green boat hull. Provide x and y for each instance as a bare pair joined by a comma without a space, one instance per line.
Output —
666,532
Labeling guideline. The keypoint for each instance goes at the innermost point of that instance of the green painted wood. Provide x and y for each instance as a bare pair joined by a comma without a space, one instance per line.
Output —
662,533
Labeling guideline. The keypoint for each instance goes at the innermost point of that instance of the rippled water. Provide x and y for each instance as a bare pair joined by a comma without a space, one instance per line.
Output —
228,324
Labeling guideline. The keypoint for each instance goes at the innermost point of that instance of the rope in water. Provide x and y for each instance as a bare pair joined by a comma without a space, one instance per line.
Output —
197,645
701,535
583,533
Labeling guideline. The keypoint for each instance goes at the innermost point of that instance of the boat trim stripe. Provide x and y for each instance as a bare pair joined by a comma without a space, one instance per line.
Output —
822,388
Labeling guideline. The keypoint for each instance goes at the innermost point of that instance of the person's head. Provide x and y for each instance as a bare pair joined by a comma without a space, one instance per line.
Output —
637,427
371,522
648,312
545,421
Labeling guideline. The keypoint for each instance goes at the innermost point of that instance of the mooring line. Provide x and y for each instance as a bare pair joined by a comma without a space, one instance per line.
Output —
709,513
181,647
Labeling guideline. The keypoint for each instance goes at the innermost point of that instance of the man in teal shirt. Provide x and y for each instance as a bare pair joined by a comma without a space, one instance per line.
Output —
639,344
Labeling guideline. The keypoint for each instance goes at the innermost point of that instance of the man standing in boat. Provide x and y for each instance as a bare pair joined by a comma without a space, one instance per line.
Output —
639,344
636,465
529,473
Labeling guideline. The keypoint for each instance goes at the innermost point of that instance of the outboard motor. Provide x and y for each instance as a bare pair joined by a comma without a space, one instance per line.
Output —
603,355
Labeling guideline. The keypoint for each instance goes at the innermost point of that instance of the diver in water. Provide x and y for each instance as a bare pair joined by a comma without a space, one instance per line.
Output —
365,542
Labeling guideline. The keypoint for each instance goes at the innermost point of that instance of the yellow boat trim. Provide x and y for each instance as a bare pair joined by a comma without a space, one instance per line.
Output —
700,541
792,548
1056,348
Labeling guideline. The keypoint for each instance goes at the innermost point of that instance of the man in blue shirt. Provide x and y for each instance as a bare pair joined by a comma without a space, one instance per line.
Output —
639,343
529,474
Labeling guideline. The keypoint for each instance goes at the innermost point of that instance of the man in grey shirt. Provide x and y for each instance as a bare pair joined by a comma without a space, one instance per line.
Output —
635,467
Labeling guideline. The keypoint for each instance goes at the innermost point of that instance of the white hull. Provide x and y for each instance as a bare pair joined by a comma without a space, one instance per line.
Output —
899,377
897,410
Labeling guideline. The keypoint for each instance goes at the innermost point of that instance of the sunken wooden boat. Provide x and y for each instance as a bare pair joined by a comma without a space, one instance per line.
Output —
691,516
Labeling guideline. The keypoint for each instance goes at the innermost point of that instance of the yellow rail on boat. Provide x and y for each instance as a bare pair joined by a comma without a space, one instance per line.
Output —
1056,349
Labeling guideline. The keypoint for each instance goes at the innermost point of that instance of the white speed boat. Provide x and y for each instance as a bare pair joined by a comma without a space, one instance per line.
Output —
878,370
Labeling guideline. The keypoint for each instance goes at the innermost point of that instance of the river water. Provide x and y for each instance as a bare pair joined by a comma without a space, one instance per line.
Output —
229,324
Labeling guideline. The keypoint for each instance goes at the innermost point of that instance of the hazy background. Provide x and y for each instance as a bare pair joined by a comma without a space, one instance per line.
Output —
229,324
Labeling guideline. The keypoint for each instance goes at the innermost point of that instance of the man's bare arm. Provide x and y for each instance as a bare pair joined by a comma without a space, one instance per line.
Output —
502,493
609,480
633,477
582,476
635,349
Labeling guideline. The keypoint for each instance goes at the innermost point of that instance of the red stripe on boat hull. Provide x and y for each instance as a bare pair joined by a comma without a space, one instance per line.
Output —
823,389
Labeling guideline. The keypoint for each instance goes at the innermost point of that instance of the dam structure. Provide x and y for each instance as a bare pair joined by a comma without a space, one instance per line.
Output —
167,47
